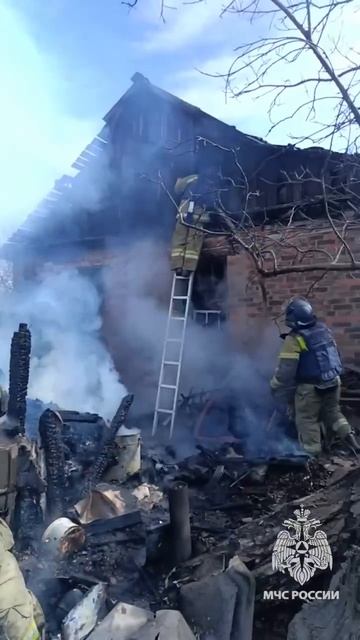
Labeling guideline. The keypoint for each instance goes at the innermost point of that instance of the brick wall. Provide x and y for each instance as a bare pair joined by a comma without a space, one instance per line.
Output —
336,296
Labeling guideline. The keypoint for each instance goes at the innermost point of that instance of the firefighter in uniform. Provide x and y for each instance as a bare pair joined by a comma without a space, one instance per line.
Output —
197,197
21,616
307,378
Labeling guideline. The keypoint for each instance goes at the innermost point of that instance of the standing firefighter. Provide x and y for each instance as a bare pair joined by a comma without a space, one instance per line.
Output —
307,377
21,617
198,194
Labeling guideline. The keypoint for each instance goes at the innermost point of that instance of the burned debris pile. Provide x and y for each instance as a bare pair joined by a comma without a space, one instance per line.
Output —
158,545
177,529
104,457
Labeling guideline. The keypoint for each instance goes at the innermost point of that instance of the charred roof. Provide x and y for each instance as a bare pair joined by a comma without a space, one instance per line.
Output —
146,131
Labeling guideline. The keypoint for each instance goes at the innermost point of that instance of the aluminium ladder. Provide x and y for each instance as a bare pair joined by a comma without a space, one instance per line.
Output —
171,361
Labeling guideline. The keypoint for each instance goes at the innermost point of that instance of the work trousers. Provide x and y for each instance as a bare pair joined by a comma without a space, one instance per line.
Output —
186,248
20,613
316,409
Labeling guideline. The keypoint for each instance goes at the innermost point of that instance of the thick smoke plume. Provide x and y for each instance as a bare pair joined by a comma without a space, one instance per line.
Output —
138,314
70,364
141,277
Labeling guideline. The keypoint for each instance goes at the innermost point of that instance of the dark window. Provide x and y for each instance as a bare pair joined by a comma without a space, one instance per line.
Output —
210,291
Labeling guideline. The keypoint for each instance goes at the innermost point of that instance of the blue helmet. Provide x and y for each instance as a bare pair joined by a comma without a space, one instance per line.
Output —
299,314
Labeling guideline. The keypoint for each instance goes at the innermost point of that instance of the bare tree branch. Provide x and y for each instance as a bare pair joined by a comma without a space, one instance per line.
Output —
298,53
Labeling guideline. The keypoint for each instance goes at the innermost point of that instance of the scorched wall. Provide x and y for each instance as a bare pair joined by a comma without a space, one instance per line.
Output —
336,296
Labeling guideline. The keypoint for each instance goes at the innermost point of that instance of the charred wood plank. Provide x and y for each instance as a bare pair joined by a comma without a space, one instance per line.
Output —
107,448
99,527
76,416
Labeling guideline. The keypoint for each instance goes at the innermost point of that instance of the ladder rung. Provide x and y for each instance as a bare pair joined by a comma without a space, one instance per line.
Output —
180,341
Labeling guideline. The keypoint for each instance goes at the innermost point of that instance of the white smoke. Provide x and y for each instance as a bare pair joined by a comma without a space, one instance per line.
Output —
142,277
70,364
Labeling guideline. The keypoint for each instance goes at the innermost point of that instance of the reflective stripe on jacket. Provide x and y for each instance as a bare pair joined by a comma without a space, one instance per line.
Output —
284,379
18,607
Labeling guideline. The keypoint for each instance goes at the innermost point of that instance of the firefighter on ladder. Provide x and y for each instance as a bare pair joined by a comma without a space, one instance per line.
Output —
197,198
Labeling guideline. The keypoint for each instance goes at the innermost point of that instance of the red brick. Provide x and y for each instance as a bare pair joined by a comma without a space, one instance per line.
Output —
336,298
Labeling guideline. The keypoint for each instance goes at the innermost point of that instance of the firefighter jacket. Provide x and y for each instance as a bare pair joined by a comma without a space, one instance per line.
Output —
319,361
308,356
20,612
193,189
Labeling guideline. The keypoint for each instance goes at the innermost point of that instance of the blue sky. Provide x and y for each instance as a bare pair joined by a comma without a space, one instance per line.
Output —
96,47
64,63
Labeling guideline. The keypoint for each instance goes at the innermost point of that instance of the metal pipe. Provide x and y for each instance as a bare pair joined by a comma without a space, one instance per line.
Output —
180,521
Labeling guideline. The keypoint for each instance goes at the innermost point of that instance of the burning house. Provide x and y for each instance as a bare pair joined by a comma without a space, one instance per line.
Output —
170,530
113,220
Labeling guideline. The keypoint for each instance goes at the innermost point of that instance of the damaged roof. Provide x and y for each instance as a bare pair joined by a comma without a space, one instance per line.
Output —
62,198
140,82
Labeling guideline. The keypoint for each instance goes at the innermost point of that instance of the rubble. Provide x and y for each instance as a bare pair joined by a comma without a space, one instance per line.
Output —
81,620
176,544
234,519
329,620
104,502
102,461
221,603
126,622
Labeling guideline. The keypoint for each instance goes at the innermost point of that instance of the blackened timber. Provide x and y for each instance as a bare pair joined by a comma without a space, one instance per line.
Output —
106,452
19,376
76,416
50,427
113,524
